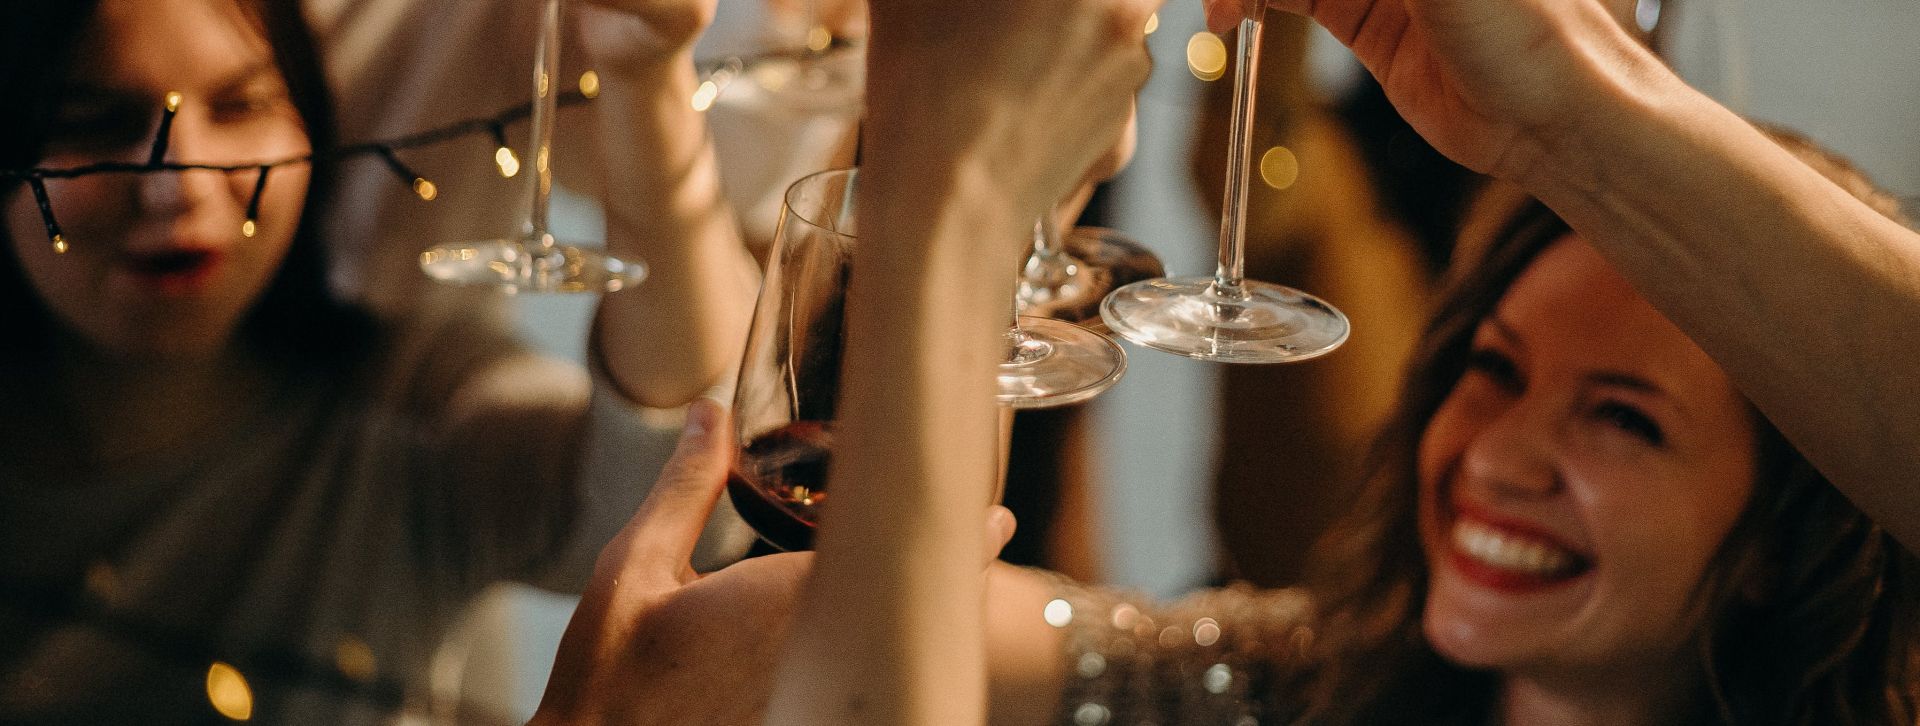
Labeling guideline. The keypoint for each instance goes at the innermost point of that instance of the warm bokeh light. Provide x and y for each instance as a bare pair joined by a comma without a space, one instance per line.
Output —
59,244
1059,613
1206,56
355,659
249,228
590,84
1153,23
819,38
1279,168
173,100
508,162
229,693
425,189
705,95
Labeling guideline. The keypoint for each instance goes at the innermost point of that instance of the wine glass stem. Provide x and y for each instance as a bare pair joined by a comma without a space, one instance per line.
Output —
1022,349
1233,220
546,73
1048,267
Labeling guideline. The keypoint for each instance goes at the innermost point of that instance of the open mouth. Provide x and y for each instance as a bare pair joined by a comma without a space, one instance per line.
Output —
1508,558
172,268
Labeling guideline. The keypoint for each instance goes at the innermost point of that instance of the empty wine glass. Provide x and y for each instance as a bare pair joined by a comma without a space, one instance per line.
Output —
534,261
1053,362
1226,317
1068,274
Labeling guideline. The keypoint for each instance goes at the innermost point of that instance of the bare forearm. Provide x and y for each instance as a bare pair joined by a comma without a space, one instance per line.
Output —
889,629
679,332
1809,298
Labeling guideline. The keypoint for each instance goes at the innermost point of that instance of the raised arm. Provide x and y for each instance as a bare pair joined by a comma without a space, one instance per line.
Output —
1808,298
678,333
980,115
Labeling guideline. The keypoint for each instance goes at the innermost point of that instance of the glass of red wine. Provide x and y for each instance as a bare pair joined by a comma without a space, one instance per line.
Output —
784,403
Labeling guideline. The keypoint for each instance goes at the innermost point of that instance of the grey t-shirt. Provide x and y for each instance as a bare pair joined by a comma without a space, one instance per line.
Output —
318,545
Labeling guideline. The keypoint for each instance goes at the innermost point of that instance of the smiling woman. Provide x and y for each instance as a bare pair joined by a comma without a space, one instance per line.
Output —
1575,517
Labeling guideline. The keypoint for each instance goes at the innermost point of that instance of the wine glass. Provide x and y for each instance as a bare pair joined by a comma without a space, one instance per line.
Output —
534,261
790,374
1069,274
1052,362
1228,318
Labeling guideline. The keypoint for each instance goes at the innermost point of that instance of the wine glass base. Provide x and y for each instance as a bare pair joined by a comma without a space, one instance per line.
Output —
1070,364
1188,316
516,265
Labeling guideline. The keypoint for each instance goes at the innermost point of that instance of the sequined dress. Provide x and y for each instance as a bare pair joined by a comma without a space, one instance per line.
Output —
1216,657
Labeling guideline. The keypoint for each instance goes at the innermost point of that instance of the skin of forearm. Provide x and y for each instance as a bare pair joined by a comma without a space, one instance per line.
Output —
889,629
1807,297
680,331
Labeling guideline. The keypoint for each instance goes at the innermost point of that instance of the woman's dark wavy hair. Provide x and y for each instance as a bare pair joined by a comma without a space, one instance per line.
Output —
297,319
1807,611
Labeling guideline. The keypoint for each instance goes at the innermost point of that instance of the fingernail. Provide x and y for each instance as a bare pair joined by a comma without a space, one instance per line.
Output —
1000,523
702,414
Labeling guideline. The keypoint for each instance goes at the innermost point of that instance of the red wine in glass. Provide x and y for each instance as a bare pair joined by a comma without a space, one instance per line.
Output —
779,482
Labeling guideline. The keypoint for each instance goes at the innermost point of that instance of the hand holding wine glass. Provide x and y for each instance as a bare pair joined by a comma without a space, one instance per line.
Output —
1488,82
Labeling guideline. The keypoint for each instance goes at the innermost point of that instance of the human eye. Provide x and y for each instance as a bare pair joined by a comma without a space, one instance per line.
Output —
1494,366
1631,420
255,101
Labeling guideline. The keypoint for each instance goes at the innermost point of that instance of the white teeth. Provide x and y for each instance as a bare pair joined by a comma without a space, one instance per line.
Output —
1498,548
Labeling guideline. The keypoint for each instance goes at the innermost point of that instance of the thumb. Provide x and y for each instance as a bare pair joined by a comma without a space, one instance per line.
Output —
1000,528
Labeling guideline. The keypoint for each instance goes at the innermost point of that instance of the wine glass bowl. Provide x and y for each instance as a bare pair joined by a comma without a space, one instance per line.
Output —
1101,260
790,373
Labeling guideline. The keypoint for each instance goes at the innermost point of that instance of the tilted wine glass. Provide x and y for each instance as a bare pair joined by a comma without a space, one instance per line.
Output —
1052,362
1226,317
534,261
1070,272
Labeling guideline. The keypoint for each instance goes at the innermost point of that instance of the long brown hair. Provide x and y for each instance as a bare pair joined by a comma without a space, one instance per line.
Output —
297,318
1806,612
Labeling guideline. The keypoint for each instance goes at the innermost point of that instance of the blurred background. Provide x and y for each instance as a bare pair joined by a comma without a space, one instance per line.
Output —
1348,204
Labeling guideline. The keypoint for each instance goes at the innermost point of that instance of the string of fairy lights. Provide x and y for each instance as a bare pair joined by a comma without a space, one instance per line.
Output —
387,151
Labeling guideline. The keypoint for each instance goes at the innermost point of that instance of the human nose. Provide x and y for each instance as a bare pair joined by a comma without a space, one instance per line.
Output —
178,191
1515,454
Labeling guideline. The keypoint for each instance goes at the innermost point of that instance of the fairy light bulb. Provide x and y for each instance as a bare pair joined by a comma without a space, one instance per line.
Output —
164,135
39,187
590,84
426,189
251,227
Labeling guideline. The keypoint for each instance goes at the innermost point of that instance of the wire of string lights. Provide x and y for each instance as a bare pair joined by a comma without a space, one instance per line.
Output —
388,150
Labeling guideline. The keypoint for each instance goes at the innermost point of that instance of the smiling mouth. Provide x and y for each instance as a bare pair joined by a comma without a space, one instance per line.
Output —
1506,559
